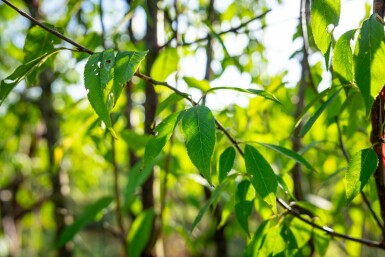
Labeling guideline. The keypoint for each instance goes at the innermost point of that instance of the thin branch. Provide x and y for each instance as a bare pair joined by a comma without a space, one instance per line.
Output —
329,230
369,205
102,23
52,31
234,30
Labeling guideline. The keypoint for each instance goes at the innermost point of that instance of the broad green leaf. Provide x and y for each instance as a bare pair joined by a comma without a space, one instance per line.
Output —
98,80
134,140
214,196
140,233
169,101
202,85
323,14
290,154
362,165
226,162
343,58
198,128
262,176
136,177
263,93
291,246
258,238
163,133
166,63
21,72
313,119
369,59
243,207
126,64
273,242
89,215
321,242
301,231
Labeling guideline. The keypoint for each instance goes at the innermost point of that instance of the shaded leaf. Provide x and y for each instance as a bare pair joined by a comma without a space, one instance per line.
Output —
198,128
226,162
290,154
262,176
362,165
243,207
369,59
313,119
323,14
21,72
343,58
140,232
258,238
214,196
89,215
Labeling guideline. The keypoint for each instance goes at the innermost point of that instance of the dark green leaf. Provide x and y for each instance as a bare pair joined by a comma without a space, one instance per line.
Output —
243,207
126,64
369,60
323,14
313,119
163,133
226,162
21,72
262,176
362,165
89,215
198,128
343,58
210,201
140,233
290,154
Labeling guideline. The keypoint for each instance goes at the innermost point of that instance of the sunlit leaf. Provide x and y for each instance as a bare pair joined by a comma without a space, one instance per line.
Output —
262,176
169,101
253,91
226,162
126,64
313,119
243,207
321,242
140,232
369,56
98,75
89,215
291,247
343,58
166,63
258,238
163,133
21,72
214,196
202,85
198,128
290,154
362,165
325,16
301,231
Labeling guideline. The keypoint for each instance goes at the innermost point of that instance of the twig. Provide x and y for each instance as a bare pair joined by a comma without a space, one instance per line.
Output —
234,29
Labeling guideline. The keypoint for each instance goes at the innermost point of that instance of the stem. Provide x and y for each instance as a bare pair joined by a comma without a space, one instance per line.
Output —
118,210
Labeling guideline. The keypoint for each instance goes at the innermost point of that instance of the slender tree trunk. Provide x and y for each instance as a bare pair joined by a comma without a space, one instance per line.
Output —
51,121
377,119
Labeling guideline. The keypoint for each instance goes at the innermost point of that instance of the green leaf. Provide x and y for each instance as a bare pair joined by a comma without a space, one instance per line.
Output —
163,133
369,60
321,242
301,231
98,75
126,64
324,13
226,162
89,215
290,154
214,196
169,101
262,176
202,85
291,247
273,242
21,72
362,165
198,127
343,58
166,63
258,238
243,207
263,93
140,232
313,119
